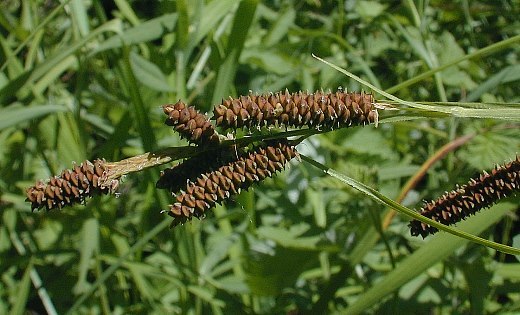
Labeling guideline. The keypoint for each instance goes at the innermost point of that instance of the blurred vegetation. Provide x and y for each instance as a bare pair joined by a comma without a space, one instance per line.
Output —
85,79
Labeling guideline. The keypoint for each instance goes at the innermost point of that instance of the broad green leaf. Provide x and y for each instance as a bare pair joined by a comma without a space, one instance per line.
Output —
396,171
144,32
281,26
503,44
291,238
478,280
211,15
516,243
510,271
14,115
448,50
115,266
49,234
269,61
217,249
149,74
70,145
318,206
205,294
143,285
490,149
232,284
369,9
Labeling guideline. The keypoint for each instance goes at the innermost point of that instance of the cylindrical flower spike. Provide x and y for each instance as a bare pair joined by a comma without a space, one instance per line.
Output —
318,110
480,192
202,193
72,186
190,124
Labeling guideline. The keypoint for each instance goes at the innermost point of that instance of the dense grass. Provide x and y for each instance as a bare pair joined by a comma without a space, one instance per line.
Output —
84,80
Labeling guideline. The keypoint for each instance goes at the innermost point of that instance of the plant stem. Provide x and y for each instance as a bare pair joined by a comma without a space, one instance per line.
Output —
146,160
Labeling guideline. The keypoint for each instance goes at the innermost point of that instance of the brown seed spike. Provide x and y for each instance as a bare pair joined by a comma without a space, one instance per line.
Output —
218,184
319,110
479,193
191,124
71,187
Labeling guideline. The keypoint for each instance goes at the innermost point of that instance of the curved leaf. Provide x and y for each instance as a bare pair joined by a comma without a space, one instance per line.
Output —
10,116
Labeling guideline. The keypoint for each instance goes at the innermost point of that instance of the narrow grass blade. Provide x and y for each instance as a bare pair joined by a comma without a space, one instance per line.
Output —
22,293
144,32
149,73
110,271
127,11
79,12
378,197
439,248
10,116
141,113
51,62
456,111
34,32
226,73
212,13
8,92
508,74
88,247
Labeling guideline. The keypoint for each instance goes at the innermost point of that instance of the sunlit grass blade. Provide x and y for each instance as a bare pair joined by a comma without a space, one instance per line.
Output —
79,12
456,111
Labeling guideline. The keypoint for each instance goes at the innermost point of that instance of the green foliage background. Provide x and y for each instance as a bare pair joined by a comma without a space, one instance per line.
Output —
85,79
